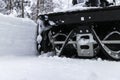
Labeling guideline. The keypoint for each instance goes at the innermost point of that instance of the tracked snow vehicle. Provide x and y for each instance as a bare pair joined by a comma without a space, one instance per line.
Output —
86,32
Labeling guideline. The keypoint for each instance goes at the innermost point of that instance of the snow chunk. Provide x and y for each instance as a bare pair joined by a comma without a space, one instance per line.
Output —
17,36
39,39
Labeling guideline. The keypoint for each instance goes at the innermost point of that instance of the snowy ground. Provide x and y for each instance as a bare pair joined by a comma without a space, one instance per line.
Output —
54,68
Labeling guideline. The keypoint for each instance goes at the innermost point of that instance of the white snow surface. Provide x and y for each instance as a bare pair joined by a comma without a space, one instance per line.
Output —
54,68
17,36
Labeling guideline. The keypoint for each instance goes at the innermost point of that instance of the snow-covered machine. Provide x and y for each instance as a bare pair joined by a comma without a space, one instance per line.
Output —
87,32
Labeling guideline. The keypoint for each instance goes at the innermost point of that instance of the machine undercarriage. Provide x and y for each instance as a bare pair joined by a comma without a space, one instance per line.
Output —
86,33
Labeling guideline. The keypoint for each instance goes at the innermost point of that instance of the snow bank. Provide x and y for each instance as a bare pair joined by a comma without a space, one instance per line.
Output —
17,36
54,68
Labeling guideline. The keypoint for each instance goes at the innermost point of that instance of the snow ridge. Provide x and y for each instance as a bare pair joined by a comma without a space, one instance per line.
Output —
17,36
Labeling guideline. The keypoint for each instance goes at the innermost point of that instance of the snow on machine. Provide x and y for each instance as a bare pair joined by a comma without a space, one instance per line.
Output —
84,32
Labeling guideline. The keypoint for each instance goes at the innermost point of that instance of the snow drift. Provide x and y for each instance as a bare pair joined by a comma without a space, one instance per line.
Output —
17,36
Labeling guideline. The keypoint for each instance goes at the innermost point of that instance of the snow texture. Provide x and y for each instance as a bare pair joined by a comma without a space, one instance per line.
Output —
17,36
54,68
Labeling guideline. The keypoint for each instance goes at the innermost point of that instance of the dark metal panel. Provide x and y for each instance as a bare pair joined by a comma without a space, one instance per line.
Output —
86,16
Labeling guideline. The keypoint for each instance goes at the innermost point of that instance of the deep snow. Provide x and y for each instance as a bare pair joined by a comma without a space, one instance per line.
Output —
17,36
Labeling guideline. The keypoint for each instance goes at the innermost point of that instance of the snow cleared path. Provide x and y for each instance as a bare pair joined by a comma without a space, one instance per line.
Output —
54,68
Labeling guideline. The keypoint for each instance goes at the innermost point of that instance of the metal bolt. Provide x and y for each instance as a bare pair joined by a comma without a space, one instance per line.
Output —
114,28
63,21
88,52
87,30
82,18
81,31
89,17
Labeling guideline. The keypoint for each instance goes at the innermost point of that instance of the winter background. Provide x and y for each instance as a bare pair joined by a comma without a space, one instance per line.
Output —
18,55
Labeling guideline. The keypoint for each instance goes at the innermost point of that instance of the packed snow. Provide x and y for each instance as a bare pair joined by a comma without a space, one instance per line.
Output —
17,36
55,68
